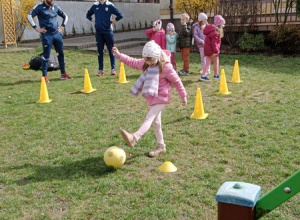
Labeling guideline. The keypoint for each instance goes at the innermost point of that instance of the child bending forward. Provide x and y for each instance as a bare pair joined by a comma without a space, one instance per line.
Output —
155,85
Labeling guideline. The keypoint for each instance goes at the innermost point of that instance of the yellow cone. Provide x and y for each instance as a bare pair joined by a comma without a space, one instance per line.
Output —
87,83
223,84
199,110
168,167
236,73
44,97
122,75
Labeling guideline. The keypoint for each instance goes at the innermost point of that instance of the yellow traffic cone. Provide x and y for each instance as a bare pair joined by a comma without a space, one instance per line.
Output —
236,73
122,75
223,84
199,110
168,167
87,83
44,97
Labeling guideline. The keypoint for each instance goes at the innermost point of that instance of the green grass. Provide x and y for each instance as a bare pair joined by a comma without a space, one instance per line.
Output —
51,155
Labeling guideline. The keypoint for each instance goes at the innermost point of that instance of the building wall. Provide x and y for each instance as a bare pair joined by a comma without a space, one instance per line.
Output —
76,11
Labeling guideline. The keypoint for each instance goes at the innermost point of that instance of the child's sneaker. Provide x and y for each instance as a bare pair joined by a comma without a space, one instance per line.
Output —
128,138
113,72
100,73
217,77
46,79
65,76
183,72
204,79
160,149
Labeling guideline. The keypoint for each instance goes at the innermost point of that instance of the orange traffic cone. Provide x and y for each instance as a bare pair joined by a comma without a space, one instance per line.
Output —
236,73
122,75
87,83
44,97
199,110
223,84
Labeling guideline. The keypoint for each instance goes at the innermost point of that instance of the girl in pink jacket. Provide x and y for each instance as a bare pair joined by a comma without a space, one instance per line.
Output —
157,33
155,85
212,45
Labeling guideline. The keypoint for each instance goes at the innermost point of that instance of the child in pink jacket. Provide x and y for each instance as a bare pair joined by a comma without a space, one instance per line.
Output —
157,33
155,85
212,45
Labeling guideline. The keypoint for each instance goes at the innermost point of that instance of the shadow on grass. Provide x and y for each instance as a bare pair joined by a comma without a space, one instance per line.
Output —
94,167
19,82
178,120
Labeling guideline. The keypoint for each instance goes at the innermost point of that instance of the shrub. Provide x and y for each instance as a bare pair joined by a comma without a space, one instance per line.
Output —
140,24
129,28
123,27
73,30
83,30
250,42
286,38
92,29
146,24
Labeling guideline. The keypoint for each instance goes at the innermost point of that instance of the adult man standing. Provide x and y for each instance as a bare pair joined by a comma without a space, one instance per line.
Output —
51,33
103,11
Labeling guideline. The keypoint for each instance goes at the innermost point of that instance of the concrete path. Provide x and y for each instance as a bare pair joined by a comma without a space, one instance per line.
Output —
130,42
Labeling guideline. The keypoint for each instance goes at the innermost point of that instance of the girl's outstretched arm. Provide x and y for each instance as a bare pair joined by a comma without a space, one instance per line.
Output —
130,61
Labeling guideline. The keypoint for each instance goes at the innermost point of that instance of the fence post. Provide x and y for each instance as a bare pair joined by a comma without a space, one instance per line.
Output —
237,200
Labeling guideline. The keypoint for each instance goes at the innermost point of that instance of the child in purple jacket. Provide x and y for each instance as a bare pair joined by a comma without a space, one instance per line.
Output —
200,37
212,45
155,85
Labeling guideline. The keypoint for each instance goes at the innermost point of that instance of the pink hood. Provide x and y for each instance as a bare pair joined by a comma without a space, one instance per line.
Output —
212,43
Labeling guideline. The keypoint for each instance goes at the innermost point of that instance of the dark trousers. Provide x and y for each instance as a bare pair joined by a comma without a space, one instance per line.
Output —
108,39
55,39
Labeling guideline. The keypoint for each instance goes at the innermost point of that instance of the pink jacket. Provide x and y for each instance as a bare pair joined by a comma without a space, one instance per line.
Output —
212,42
167,78
158,36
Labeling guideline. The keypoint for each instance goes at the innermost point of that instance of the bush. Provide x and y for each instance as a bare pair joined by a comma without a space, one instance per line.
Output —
251,42
286,38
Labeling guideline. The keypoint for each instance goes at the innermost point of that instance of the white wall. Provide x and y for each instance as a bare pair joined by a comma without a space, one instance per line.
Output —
76,11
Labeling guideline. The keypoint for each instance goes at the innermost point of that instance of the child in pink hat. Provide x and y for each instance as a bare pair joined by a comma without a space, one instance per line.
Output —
212,45
171,42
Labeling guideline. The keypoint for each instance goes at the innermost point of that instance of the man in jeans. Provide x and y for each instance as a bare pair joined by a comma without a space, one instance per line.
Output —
51,33
103,11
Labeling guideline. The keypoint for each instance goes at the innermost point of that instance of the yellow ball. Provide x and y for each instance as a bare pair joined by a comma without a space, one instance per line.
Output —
114,157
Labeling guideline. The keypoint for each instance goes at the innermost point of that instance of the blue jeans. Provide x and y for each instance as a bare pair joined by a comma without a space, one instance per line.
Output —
55,39
108,39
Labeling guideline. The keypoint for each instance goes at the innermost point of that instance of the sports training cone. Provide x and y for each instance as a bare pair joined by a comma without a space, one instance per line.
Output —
44,98
199,110
87,83
122,75
168,167
223,84
236,73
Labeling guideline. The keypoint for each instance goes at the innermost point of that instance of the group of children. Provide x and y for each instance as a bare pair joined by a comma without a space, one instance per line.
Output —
158,66
209,49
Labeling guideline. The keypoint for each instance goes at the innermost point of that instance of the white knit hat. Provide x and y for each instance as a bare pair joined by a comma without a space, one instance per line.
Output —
151,49
202,17
157,24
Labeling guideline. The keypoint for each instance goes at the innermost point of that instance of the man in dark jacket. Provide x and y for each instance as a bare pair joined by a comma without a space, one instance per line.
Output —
103,11
185,42
51,33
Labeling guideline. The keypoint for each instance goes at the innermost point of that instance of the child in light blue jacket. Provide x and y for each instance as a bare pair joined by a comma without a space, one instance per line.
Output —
171,41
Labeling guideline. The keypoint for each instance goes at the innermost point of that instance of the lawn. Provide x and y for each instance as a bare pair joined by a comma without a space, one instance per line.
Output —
51,155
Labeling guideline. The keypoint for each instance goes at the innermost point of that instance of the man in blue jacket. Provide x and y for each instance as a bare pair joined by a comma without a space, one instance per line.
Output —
51,33
103,11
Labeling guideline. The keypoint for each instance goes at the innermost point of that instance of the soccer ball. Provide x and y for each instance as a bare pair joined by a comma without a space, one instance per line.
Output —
114,157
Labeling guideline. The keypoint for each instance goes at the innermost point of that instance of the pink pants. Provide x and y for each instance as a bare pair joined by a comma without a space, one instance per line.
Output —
153,116
173,60
207,65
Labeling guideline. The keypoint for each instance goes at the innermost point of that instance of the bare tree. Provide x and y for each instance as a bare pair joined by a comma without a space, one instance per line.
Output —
286,5
240,16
